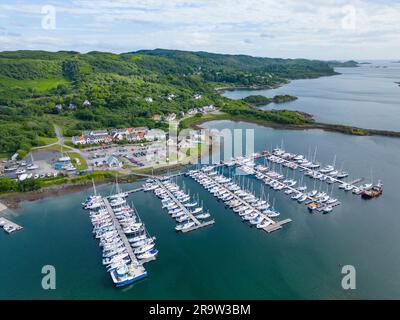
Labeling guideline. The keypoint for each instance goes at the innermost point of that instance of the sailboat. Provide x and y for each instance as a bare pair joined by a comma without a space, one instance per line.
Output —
118,192
64,158
32,165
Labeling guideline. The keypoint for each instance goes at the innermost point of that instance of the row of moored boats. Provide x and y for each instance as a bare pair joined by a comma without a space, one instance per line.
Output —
125,242
179,204
256,211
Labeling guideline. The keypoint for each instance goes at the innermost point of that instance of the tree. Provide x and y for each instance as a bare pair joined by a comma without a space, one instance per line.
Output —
70,69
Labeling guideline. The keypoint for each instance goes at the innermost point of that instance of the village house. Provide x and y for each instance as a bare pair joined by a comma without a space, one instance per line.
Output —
103,136
148,99
58,106
157,117
108,162
72,106
155,134
197,96
170,117
92,137
208,108
192,111
86,103
170,96
79,140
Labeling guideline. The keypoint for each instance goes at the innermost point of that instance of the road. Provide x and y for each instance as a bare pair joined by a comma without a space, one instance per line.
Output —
60,142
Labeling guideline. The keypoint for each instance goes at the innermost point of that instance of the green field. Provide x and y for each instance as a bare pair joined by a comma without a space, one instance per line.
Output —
38,84
45,140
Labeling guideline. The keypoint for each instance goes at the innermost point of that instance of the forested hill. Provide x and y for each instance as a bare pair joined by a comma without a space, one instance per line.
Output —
241,69
118,87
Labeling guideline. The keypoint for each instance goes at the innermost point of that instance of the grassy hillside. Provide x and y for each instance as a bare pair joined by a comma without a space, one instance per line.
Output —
32,83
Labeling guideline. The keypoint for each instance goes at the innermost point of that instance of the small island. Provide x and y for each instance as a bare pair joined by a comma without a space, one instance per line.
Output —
258,100
344,64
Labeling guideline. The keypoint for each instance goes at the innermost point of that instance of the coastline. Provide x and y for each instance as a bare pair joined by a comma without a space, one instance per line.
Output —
349,130
221,90
13,200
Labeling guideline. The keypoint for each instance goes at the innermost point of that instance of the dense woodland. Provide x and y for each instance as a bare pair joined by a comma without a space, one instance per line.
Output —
33,83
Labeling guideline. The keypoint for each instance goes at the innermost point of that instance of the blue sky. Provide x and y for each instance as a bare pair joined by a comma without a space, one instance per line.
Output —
322,29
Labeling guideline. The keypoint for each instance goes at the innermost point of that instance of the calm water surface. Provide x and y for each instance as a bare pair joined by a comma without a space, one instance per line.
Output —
366,96
228,259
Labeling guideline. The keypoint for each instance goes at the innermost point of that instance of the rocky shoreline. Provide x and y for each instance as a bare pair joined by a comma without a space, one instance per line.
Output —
323,126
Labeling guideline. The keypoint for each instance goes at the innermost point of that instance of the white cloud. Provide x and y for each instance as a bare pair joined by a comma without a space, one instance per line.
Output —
259,27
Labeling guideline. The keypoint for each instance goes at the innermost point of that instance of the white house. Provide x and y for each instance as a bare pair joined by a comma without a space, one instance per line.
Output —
208,108
197,96
86,103
170,117
192,111
170,96
79,140
110,162
155,134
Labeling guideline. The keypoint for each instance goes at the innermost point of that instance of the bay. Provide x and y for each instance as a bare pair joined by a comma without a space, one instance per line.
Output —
366,96
229,259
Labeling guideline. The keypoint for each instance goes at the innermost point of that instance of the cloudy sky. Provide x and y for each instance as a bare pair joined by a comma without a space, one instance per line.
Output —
324,29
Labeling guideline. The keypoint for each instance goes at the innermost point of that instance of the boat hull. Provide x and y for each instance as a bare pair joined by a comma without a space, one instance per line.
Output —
129,281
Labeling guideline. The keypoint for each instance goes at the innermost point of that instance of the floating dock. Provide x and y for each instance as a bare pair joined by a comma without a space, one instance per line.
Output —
134,190
335,180
121,234
274,225
9,226
335,204
198,224
277,225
